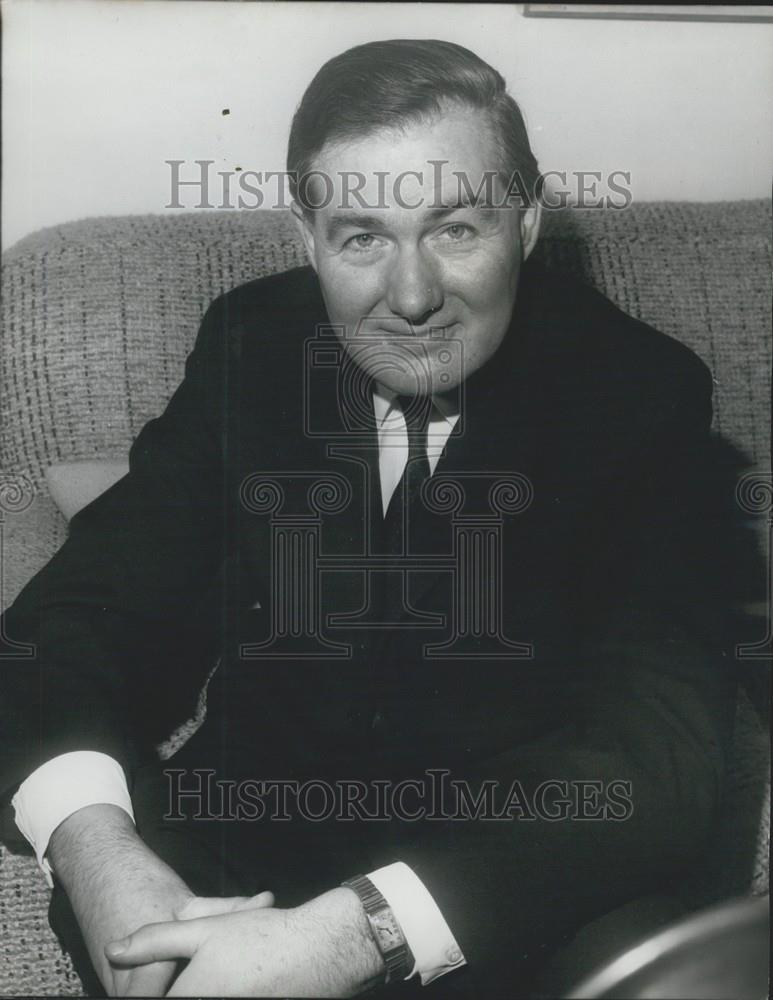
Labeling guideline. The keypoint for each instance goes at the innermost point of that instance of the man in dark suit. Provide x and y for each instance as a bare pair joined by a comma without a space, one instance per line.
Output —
441,518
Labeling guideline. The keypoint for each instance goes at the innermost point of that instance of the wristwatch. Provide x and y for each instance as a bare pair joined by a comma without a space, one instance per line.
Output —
386,931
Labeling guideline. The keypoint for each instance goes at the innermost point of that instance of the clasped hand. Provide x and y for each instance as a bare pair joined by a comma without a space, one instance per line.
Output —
247,947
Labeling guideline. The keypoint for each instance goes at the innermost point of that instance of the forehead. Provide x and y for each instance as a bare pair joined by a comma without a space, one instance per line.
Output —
422,159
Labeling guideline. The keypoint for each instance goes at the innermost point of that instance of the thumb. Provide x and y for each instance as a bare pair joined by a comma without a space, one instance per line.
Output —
214,906
157,943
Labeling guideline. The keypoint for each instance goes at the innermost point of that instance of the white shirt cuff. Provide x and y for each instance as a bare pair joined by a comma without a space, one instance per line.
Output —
62,786
428,935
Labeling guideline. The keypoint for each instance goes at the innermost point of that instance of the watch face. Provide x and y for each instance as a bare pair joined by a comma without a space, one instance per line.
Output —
387,928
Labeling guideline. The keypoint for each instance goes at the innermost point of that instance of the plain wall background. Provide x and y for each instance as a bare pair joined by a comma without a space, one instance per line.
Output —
97,94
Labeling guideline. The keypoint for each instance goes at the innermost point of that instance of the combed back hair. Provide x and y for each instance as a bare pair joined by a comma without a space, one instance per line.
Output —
390,84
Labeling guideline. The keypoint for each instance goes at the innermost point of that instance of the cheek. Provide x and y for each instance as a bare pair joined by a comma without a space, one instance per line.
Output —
489,297
502,274
486,282
348,292
490,293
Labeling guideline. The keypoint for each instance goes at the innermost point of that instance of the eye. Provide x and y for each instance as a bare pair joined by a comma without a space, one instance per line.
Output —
362,241
457,232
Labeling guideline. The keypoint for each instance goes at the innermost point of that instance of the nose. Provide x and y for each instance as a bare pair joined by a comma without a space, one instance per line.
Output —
414,291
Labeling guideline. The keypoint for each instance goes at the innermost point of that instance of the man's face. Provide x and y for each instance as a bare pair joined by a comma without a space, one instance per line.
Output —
424,294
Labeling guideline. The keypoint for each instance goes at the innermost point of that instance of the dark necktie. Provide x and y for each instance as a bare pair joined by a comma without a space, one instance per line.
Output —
403,517
404,511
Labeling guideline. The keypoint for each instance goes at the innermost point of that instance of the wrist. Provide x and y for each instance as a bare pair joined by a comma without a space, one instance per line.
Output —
350,939
98,849
89,833
385,928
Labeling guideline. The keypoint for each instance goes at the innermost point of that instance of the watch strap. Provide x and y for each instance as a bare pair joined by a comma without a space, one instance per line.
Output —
398,957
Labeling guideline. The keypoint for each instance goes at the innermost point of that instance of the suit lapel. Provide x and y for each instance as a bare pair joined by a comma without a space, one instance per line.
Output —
495,440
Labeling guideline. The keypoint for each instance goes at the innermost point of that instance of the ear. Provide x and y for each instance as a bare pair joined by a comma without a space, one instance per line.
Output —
305,225
531,219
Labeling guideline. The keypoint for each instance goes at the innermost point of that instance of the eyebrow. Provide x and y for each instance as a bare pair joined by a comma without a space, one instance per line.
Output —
337,223
357,220
439,211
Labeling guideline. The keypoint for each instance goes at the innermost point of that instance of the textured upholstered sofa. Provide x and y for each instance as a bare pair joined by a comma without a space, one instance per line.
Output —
97,319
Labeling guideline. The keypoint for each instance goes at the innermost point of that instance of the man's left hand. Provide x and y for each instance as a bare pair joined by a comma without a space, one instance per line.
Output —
323,948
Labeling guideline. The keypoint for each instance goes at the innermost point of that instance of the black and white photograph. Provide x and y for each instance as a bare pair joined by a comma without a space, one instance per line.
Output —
386,508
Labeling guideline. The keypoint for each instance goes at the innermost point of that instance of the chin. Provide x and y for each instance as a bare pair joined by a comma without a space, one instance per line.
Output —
407,372
432,383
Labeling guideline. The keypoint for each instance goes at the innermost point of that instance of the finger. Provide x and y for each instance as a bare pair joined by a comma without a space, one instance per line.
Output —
214,906
191,986
157,943
263,900
210,906
145,981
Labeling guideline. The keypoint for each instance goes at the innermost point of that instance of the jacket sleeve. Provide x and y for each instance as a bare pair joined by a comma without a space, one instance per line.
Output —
653,700
136,563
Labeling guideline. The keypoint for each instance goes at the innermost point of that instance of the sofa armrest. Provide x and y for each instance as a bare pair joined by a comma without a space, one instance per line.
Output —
31,535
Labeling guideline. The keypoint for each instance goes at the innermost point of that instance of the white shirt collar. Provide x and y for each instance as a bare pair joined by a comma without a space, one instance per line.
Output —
384,402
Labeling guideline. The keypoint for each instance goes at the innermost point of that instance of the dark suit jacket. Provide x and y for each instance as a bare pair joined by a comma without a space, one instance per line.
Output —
611,574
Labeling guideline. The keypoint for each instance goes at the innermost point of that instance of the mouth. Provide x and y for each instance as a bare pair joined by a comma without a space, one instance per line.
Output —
439,332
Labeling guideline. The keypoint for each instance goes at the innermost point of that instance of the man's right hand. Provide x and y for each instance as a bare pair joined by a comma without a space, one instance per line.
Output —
116,884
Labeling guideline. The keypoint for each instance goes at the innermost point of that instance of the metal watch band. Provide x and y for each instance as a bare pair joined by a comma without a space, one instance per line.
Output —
398,959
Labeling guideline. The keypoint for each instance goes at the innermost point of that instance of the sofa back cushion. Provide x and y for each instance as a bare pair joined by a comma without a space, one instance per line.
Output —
99,315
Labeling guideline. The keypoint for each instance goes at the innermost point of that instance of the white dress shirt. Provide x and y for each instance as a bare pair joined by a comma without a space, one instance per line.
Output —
393,437
75,780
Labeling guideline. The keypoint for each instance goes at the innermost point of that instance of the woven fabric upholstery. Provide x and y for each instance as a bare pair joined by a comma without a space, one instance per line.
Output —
99,315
